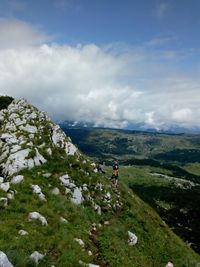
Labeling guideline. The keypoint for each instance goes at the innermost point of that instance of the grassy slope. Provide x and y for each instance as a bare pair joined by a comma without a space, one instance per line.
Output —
175,200
156,242
156,246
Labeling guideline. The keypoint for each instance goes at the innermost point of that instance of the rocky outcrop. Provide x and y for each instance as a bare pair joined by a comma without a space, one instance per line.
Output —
28,137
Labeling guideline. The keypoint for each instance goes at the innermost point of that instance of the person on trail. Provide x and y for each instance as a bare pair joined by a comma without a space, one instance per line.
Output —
101,167
115,172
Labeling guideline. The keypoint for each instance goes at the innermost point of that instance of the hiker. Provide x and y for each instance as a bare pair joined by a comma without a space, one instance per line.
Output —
101,167
115,172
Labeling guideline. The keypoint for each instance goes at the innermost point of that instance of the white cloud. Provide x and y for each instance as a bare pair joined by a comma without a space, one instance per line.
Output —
94,84
16,33
182,115
162,8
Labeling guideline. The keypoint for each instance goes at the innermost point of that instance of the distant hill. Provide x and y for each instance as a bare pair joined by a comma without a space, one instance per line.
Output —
174,151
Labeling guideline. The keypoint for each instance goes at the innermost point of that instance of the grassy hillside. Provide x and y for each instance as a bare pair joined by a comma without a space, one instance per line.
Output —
177,201
157,244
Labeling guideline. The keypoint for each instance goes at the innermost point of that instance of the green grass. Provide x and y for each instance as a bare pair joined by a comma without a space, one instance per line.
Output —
193,168
157,244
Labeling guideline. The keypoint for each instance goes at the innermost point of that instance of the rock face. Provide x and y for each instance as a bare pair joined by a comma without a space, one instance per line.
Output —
28,137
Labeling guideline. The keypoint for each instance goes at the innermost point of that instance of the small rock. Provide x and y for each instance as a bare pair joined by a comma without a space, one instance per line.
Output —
37,216
4,262
93,265
64,179
49,151
10,194
36,256
22,232
90,253
85,188
80,242
1,180
97,208
55,191
4,201
67,191
63,220
106,222
47,175
5,186
132,239
17,179
77,197
37,190
170,264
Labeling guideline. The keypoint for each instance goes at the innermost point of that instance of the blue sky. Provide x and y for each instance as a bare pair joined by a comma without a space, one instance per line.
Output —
102,21
114,63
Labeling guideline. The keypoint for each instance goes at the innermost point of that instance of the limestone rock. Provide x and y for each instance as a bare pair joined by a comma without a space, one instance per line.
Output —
4,201
55,191
132,241
29,128
169,264
97,208
80,242
77,197
37,216
90,253
1,180
5,186
63,220
46,175
17,179
4,262
37,190
22,232
36,256
10,194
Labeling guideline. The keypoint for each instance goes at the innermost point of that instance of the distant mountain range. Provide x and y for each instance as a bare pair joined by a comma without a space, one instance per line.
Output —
132,127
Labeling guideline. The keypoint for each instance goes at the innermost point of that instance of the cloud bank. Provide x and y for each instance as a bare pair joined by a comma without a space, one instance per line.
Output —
110,86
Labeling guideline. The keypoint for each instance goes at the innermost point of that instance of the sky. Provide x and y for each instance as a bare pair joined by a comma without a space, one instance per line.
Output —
113,63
